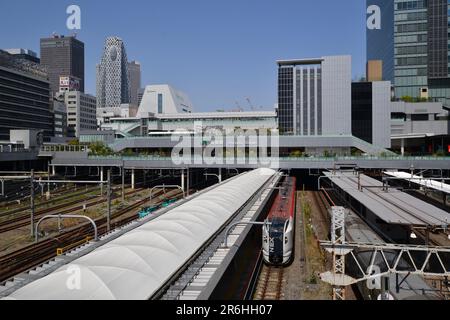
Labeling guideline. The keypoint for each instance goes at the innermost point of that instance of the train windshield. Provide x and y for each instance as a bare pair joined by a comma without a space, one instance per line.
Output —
277,227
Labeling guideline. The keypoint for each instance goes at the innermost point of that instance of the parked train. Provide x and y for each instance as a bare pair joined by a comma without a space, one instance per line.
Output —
145,211
278,236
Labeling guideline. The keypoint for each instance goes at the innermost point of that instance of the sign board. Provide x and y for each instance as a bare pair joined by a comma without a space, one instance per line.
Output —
69,83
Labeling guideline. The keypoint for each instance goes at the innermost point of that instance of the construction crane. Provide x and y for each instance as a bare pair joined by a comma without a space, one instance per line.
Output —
250,104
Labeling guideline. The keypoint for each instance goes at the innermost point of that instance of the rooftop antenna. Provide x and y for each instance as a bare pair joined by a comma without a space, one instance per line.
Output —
239,106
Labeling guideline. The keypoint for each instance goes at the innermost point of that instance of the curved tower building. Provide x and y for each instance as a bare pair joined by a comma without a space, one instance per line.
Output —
113,82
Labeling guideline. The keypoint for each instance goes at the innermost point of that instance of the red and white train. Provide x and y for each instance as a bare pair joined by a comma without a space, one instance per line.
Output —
279,233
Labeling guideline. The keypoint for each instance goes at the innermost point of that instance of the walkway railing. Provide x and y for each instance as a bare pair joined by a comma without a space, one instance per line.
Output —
288,159
64,148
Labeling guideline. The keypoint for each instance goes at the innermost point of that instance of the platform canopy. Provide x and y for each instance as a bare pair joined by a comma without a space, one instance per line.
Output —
137,264
392,206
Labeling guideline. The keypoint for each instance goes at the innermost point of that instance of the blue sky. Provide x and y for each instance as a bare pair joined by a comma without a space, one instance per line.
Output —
218,52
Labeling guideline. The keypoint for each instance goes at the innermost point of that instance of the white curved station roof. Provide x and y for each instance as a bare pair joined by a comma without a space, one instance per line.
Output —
137,264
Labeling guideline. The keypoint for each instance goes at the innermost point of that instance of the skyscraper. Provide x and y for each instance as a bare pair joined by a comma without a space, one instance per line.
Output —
134,68
380,42
418,31
113,78
63,56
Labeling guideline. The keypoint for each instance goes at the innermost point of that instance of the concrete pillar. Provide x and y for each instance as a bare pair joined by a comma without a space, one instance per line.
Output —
182,180
123,182
53,170
220,175
403,147
133,179
101,180
188,182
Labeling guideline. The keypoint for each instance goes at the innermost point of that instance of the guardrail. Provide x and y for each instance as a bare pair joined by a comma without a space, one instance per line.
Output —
295,159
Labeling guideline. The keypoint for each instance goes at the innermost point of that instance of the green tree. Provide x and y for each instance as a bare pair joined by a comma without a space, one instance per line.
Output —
74,142
100,149
407,99
296,154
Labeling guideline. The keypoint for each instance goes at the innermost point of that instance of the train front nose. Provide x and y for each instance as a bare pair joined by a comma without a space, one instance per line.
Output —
275,259
276,252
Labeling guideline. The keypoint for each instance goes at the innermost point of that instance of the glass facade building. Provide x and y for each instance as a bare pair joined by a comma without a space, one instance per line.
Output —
419,32
300,99
286,99
411,43
362,111
24,97
380,43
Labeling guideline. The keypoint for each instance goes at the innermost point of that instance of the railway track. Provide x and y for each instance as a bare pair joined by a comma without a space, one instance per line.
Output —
62,195
24,220
324,203
270,284
31,256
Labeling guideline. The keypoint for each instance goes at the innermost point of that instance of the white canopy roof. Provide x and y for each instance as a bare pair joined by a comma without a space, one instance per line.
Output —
137,264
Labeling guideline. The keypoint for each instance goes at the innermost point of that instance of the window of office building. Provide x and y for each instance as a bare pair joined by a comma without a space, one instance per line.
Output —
362,126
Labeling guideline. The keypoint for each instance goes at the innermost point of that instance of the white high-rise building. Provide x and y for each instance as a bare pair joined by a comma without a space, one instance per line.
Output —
315,96
81,112
113,78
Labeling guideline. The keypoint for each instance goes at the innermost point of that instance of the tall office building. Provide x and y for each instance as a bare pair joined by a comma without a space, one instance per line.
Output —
380,42
134,68
63,56
314,96
113,79
419,32
24,97
81,112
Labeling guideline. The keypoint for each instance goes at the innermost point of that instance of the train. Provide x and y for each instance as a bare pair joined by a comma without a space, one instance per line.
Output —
145,211
279,231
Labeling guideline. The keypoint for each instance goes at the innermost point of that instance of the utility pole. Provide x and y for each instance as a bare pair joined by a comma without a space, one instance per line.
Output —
188,182
101,182
32,201
123,181
108,191
48,183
